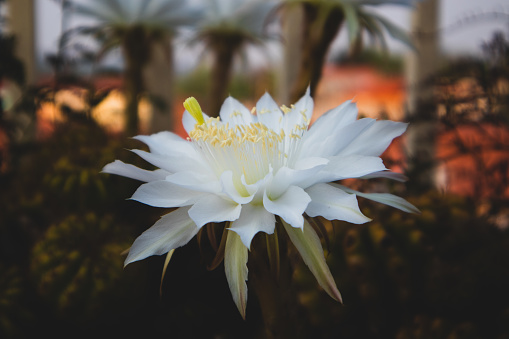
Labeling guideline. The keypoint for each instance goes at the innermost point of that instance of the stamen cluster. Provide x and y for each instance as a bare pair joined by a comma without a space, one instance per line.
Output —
251,150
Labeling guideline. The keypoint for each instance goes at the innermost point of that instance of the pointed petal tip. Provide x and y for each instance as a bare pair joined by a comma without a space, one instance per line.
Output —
243,313
414,209
335,294
245,240
127,262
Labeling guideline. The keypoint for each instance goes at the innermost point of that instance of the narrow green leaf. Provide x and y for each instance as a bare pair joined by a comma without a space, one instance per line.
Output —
211,233
166,262
373,27
320,229
308,244
352,22
394,31
273,253
219,253
235,265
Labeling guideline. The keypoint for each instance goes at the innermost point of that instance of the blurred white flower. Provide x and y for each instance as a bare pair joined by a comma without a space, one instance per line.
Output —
161,14
249,169
227,29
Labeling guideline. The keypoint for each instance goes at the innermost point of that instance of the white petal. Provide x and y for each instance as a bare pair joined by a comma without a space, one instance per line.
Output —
268,113
171,163
374,140
167,143
308,244
257,189
231,191
340,167
384,198
298,176
386,174
189,122
352,166
343,137
173,230
305,105
290,206
253,219
330,143
300,114
334,204
327,125
196,181
235,266
165,194
212,208
338,117
130,171
235,113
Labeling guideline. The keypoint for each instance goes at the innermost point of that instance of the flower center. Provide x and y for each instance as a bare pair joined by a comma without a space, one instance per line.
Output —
249,151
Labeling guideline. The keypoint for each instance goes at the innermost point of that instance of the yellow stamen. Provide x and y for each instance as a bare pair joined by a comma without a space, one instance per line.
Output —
193,107
285,109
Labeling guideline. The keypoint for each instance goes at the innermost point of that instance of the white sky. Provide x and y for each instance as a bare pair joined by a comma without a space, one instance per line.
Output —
464,40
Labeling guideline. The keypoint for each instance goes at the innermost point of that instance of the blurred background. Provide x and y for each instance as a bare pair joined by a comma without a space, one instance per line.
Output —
79,78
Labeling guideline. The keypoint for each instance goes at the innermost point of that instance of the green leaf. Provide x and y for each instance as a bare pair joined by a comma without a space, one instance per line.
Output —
394,31
273,253
310,248
373,27
352,21
219,252
166,262
235,265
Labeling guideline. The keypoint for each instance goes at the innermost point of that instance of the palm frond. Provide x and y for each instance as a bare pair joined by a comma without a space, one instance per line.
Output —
393,30
98,10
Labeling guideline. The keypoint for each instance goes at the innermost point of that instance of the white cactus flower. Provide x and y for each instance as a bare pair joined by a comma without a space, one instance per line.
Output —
249,168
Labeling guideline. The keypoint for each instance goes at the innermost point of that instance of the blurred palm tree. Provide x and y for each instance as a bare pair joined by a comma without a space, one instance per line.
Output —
136,26
323,19
228,27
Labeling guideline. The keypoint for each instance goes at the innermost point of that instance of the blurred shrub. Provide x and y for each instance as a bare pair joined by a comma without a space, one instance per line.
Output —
242,86
14,310
78,263
380,60
446,265
63,227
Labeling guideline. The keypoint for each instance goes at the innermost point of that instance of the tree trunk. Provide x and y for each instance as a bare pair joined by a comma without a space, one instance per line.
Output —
136,48
159,83
133,89
224,50
22,25
422,110
320,27
287,72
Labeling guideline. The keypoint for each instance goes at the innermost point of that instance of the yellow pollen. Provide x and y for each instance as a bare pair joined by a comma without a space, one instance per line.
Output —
304,117
193,107
235,114
250,151
285,109
223,136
